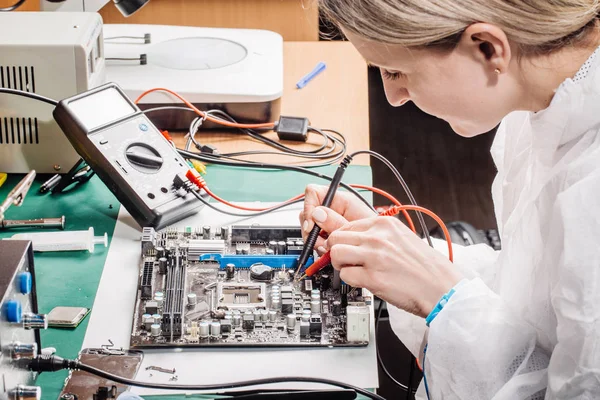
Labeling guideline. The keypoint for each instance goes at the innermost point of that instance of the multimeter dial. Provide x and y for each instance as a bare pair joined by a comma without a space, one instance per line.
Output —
143,157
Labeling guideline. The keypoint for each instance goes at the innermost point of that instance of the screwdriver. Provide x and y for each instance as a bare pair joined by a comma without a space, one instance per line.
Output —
316,230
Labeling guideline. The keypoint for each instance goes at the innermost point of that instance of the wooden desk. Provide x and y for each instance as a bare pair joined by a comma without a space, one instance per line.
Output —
292,19
338,98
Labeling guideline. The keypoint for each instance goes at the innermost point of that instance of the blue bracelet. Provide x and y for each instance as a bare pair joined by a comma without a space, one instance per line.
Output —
439,306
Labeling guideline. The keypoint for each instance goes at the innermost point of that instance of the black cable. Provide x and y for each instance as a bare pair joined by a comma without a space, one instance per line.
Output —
259,165
380,360
327,151
54,363
29,95
13,7
400,179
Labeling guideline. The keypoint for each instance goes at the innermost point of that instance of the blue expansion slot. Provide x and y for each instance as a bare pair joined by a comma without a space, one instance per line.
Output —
245,261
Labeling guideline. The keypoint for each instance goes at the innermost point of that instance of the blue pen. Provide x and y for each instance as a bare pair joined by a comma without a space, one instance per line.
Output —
309,77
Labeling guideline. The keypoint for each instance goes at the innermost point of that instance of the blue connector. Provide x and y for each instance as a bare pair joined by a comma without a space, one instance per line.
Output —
245,261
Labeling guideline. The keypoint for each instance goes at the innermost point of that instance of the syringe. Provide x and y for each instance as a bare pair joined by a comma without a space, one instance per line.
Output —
63,241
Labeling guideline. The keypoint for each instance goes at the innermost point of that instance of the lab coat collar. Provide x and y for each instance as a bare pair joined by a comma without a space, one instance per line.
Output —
571,113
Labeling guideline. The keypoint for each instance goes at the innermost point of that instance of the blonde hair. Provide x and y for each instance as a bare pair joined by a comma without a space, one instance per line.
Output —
536,26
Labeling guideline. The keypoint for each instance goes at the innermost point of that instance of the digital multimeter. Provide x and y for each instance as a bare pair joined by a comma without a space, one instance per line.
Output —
128,153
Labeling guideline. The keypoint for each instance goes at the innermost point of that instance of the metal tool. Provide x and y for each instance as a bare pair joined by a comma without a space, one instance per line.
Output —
17,195
34,223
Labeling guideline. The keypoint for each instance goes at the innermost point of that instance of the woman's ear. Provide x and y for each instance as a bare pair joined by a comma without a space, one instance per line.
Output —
488,45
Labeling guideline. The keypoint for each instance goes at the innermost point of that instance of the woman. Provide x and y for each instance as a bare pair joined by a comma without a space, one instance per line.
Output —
522,323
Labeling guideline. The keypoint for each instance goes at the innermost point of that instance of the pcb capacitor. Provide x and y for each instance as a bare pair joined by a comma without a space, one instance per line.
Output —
264,315
281,247
156,318
204,330
215,330
291,322
192,299
148,321
206,232
155,330
237,320
230,271
224,232
160,252
272,316
315,307
256,315
273,245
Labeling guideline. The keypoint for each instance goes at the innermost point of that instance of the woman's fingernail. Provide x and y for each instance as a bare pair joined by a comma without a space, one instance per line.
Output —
305,226
322,250
319,215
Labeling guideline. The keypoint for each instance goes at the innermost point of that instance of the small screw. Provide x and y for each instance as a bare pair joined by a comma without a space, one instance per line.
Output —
68,396
57,167
76,27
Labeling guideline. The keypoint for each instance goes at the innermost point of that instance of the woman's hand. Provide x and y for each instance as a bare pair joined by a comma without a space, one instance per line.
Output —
347,207
384,256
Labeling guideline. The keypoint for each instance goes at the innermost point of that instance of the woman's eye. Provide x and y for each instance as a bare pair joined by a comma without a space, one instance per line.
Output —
392,76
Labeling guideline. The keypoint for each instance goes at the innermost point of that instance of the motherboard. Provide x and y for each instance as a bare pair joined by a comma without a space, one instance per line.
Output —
235,286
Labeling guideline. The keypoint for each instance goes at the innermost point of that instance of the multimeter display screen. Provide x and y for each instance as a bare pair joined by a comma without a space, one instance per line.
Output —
101,108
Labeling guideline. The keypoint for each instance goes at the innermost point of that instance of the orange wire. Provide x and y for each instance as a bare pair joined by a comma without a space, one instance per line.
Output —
203,114
432,215
373,189
391,198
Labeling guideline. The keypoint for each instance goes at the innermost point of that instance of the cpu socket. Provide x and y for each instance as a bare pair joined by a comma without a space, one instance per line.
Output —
237,295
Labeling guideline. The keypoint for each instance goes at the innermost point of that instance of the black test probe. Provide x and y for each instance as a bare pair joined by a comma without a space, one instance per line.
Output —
316,230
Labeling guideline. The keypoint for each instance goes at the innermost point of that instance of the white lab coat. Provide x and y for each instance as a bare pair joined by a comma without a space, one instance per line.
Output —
528,325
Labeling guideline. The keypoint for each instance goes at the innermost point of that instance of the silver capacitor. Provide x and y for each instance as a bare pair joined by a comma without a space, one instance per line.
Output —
315,307
148,321
159,299
288,244
162,265
315,292
192,299
305,318
315,297
156,318
230,271
272,316
281,247
276,303
291,322
204,329
206,232
155,330
215,330
299,243
256,315
264,315
224,232
273,245
269,252
237,320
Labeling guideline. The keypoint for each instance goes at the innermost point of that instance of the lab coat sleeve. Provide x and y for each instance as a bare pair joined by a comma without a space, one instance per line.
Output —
471,261
480,348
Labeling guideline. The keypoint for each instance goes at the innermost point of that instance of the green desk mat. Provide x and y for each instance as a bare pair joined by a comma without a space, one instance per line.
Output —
71,279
